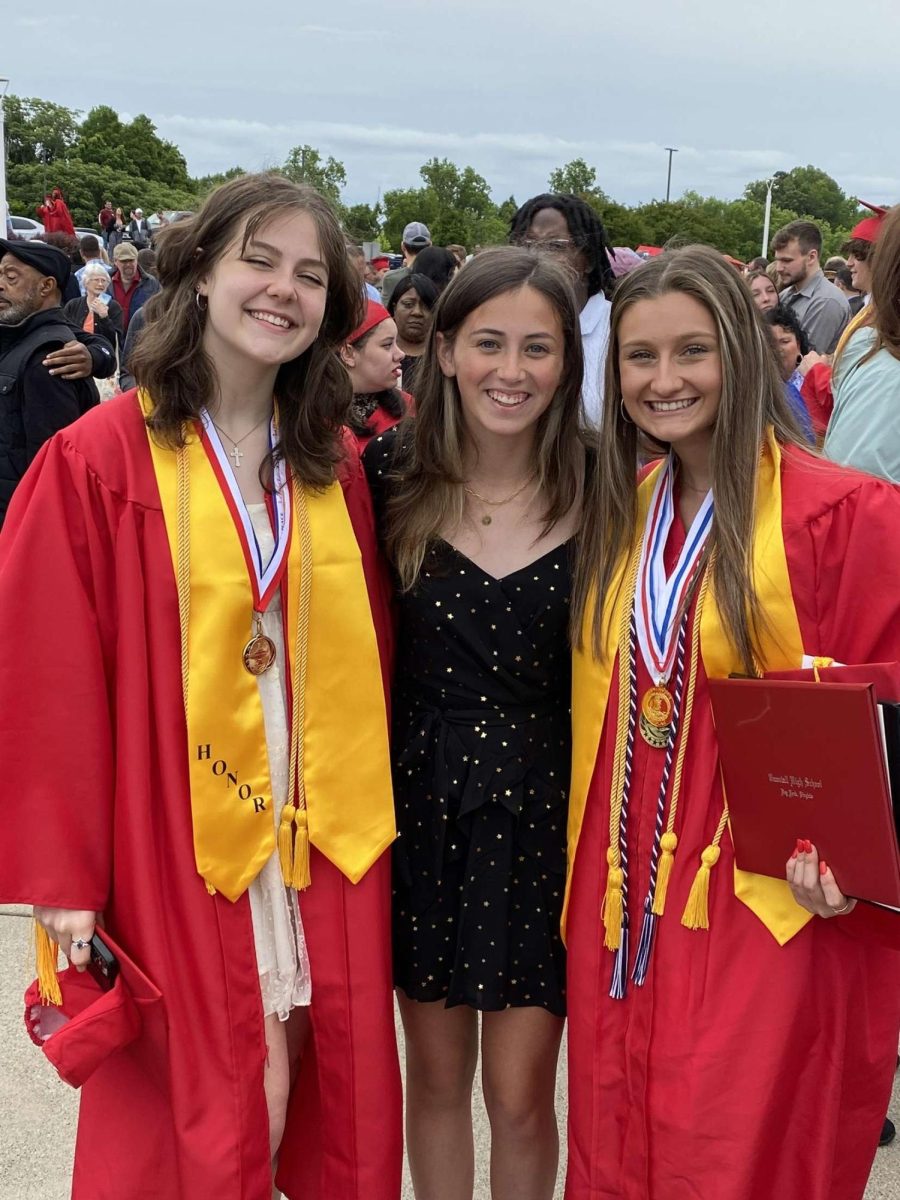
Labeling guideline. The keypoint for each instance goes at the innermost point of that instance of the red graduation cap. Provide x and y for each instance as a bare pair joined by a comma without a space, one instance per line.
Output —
868,229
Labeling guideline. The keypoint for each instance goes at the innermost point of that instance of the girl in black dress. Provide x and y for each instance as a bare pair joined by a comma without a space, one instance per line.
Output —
478,501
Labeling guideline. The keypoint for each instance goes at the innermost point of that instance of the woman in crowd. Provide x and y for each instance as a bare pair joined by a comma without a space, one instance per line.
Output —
864,430
570,229
410,306
765,294
186,569
438,265
791,346
54,213
708,1008
373,361
96,311
479,500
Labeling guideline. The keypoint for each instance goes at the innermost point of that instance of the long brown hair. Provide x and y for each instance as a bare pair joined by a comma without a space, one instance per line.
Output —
752,397
429,491
886,287
313,391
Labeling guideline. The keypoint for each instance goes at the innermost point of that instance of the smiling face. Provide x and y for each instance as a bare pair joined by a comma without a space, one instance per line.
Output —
507,359
765,295
266,300
374,366
860,273
670,369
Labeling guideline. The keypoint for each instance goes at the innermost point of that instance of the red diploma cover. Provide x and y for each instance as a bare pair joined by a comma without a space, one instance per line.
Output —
803,760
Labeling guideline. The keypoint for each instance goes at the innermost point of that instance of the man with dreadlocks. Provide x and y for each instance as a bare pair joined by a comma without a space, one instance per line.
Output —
570,229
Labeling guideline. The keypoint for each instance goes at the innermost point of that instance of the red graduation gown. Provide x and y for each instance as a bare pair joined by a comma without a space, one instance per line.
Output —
96,815
741,1070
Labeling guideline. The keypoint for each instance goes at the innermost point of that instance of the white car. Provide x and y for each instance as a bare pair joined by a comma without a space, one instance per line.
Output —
26,227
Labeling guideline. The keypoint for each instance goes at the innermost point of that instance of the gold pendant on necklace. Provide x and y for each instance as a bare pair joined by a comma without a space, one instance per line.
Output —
657,709
259,653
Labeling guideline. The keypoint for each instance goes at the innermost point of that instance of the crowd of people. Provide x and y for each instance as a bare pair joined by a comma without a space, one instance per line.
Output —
349,620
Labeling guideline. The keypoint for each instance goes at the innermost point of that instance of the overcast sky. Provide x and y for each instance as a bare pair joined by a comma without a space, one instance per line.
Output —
513,88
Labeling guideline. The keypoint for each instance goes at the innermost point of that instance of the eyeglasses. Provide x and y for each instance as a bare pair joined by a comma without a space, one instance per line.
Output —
551,245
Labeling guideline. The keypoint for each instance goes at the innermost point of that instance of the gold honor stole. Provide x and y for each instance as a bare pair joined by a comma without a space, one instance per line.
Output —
782,649
346,772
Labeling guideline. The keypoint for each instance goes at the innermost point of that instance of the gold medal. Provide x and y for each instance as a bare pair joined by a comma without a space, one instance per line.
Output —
259,653
657,709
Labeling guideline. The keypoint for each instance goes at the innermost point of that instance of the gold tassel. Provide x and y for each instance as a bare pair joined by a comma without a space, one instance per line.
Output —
696,911
612,906
286,844
668,844
300,878
46,956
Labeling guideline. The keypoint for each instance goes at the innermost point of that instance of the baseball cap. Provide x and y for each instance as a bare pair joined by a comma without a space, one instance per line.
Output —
49,260
416,235
125,250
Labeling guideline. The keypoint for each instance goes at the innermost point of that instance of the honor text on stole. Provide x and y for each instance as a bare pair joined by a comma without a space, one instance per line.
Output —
229,778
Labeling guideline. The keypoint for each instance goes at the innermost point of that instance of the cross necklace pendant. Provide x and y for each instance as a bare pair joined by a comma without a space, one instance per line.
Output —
236,453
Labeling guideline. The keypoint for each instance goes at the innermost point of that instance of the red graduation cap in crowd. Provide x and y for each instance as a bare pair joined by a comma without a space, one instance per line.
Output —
868,229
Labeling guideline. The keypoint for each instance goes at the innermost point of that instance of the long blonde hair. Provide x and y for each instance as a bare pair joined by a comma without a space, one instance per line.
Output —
428,492
752,398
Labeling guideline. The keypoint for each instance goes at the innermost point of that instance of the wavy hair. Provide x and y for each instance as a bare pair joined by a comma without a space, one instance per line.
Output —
752,398
313,391
429,480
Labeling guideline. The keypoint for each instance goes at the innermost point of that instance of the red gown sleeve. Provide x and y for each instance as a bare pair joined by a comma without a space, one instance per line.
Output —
817,396
56,645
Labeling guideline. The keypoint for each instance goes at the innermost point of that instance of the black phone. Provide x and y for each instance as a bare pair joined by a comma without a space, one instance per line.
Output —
104,966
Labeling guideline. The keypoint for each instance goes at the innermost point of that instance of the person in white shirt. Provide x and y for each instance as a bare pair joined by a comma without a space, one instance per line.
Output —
568,228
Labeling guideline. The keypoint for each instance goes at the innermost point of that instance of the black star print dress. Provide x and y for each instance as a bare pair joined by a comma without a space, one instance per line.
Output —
481,756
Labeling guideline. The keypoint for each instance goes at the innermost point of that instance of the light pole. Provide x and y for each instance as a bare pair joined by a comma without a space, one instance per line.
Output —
4,86
670,150
770,183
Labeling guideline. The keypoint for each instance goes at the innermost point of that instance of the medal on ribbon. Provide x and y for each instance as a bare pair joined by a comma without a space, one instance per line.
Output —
259,653
659,601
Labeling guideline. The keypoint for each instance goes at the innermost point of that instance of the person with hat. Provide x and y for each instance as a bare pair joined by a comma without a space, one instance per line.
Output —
130,287
374,363
416,237
138,229
34,403
859,246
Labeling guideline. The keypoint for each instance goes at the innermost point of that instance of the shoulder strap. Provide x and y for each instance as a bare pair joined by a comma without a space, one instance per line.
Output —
13,361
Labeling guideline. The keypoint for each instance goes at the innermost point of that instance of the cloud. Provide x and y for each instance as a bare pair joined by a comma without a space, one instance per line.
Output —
350,35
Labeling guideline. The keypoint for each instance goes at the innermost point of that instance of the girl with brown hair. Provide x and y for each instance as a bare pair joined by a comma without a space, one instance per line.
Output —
711,1011
196,569
479,500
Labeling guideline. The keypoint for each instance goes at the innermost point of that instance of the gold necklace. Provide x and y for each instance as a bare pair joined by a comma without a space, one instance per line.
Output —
487,518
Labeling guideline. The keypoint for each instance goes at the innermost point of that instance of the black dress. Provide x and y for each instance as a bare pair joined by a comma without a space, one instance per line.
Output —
481,756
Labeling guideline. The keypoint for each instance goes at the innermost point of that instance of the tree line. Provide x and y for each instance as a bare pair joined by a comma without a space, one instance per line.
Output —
100,157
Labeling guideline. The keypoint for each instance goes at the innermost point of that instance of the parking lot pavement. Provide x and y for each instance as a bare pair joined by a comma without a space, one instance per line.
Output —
37,1111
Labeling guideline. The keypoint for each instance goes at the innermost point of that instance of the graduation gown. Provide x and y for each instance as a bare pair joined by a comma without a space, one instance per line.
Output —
96,815
742,1069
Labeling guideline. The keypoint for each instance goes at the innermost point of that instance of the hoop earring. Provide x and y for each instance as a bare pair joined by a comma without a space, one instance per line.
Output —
626,420
197,300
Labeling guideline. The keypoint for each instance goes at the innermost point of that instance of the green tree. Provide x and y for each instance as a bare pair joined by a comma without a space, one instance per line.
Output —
207,183
362,222
304,165
807,192
576,178
455,203
38,131
154,157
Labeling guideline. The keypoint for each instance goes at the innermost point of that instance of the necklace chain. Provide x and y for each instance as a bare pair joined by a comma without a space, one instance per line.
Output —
505,500
237,441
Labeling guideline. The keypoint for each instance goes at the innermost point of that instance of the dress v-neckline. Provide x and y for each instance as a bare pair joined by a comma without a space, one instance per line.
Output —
509,574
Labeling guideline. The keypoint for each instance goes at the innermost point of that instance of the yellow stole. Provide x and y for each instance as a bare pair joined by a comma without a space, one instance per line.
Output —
343,785
781,646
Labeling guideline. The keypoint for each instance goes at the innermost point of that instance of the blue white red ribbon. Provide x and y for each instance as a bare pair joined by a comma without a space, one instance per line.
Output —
659,599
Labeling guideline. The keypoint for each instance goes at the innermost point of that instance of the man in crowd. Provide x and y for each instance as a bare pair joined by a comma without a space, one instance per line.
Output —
138,229
90,252
357,257
36,402
106,219
379,266
415,238
129,285
818,305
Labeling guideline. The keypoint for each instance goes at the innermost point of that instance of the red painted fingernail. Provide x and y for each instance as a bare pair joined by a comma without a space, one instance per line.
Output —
794,855
823,866
807,846
799,845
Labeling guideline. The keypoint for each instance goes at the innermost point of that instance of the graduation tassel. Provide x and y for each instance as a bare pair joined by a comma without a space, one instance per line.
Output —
46,958
612,908
696,911
619,984
286,844
645,945
668,844
300,878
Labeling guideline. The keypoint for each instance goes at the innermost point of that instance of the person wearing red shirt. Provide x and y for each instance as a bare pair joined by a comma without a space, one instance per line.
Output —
54,213
130,288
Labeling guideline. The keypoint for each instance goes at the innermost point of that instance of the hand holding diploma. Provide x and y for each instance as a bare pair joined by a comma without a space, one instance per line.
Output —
813,885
